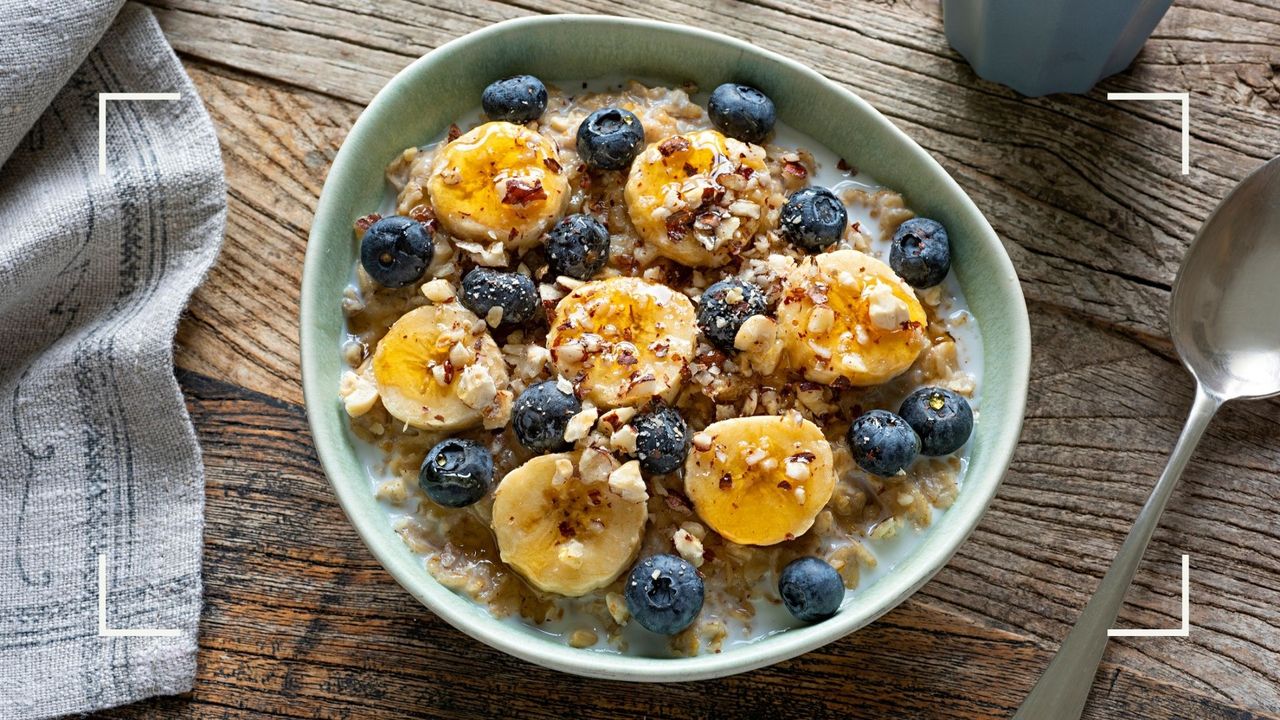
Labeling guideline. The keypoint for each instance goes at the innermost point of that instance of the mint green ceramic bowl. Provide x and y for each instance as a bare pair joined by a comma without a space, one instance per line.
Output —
421,101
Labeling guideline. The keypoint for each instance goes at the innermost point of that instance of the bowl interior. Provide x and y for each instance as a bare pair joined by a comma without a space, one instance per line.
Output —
420,102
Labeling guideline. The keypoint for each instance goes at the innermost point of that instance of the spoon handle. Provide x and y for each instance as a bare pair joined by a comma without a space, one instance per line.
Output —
1062,690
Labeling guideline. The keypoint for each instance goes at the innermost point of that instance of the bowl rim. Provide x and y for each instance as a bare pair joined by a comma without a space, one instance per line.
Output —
459,611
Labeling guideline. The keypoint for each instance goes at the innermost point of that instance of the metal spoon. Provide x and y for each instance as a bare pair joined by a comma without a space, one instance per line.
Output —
1225,321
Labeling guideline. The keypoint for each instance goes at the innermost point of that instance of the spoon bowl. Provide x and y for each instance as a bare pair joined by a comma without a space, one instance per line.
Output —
1225,311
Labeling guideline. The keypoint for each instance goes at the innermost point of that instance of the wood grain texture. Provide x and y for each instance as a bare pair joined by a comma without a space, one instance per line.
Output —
1087,197
301,623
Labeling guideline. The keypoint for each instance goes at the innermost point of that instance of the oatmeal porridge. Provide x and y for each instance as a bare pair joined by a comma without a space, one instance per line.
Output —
650,371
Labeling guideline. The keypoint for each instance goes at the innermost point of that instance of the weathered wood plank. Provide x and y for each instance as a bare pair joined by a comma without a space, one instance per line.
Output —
242,324
300,622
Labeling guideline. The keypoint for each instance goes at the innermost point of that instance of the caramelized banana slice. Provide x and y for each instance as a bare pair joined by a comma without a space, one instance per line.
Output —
847,315
699,198
564,535
498,182
438,369
623,340
759,480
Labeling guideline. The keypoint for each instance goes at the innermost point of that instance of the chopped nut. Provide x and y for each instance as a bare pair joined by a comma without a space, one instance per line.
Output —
438,291
494,316
797,470
358,393
617,606
461,355
702,442
518,191
820,350
627,482
596,466
886,310
579,426
689,547
694,529
624,440
476,387
571,553
498,413
821,319
568,282
616,418
564,471
673,145
549,293
572,352
564,385
744,208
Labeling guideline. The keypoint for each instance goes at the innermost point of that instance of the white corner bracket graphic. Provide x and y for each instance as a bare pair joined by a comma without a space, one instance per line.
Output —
1186,117
103,630
1183,631
102,118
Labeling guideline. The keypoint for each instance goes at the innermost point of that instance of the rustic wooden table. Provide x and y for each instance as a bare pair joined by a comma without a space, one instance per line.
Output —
301,622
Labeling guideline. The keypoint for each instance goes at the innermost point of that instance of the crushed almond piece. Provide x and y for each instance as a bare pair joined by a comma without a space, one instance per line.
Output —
571,553
476,388
579,426
624,440
358,393
689,547
438,291
627,482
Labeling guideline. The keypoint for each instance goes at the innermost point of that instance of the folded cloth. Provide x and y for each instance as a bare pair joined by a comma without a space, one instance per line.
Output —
97,455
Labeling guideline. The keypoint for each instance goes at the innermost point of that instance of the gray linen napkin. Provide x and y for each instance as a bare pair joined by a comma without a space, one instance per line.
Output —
97,454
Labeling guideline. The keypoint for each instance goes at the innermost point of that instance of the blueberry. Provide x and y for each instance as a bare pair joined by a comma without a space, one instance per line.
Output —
721,311
811,589
609,139
578,246
541,414
484,289
883,443
662,440
921,252
742,111
396,250
664,594
813,218
516,99
942,419
456,472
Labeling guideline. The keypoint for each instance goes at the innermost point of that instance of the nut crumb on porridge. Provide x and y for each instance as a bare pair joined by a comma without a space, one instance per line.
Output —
765,352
